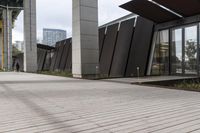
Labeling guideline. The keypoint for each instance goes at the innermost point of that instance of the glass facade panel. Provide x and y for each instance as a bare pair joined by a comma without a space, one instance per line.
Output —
156,63
176,52
191,50
164,52
160,65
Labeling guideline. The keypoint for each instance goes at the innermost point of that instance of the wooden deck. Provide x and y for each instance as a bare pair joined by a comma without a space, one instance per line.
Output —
46,104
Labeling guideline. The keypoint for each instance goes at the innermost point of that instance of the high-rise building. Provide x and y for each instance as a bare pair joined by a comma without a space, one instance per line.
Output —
51,36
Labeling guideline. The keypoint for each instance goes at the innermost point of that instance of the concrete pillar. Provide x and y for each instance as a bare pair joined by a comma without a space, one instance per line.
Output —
7,39
1,47
85,48
30,39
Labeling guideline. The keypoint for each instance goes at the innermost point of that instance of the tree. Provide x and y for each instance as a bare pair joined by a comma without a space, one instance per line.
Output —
190,52
15,51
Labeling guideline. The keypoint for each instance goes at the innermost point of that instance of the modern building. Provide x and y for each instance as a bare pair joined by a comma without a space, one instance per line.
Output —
162,39
19,45
175,40
51,36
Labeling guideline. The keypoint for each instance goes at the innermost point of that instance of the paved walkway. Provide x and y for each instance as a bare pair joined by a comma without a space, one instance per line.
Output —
147,79
38,103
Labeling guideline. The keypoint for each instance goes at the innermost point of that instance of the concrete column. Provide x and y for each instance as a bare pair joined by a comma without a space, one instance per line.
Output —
7,39
1,47
30,39
85,48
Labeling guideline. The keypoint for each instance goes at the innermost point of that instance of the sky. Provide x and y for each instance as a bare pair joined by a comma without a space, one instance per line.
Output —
57,14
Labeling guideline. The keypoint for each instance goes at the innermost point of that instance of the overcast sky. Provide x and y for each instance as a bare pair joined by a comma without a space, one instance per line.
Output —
58,14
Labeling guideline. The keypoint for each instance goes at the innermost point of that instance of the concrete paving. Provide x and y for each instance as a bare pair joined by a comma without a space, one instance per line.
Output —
47,104
147,79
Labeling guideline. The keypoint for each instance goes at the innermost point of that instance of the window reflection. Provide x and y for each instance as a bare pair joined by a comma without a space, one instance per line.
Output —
156,63
180,55
160,64
191,50
176,52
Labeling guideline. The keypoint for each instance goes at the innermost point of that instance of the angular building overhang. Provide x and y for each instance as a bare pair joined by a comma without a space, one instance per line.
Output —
185,8
160,11
149,10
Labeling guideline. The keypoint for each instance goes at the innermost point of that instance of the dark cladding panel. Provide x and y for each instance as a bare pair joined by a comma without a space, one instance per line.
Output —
39,53
55,53
68,66
21,60
108,49
59,55
101,38
62,60
41,58
122,48
64,55
182,7
47,61
138,56
149,10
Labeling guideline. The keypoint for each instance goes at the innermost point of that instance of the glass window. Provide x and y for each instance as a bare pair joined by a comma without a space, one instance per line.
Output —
156,63
191,50
181,57
176,52
160,65
164,52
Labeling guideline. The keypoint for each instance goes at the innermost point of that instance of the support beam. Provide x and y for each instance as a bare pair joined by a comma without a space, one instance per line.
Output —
85,48
7,39
30,39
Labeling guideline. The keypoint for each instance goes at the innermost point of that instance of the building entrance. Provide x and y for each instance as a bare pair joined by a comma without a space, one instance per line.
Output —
177,51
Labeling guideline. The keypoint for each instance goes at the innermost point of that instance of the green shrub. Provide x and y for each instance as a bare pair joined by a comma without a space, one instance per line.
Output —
55,73
189,85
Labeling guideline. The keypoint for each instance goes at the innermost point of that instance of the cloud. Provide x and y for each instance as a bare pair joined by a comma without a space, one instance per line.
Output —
58,15
109,10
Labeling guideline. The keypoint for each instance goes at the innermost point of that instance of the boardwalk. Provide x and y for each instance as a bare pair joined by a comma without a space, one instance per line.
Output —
38,103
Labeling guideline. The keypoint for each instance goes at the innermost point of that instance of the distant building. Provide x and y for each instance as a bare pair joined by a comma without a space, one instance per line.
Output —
19,45
51,36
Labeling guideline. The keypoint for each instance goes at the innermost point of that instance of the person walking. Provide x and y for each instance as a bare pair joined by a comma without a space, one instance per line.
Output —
17,67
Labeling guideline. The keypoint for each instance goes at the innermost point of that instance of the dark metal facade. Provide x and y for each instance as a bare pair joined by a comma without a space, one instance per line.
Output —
68,66
108,49
123,45
120,46
139,52
185,8
59,55
101,39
